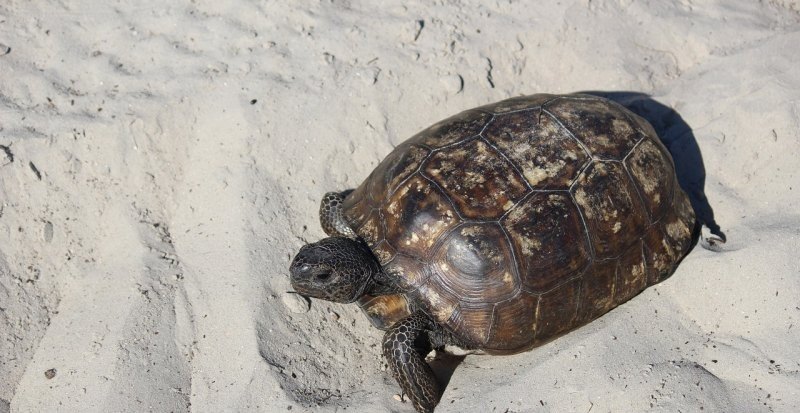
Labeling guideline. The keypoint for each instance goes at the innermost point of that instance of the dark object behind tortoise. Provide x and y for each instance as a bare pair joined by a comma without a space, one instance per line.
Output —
501,228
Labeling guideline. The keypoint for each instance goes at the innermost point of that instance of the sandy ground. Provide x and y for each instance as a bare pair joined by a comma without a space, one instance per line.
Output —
161,162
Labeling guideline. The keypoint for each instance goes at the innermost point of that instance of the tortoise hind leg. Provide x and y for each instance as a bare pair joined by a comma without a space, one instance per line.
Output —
332,218
405,346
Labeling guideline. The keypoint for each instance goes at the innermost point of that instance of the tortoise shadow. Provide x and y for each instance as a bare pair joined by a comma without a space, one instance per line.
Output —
444,365
679,139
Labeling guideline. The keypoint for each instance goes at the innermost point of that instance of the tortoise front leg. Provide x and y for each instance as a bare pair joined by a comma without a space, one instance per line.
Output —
332,218
405,346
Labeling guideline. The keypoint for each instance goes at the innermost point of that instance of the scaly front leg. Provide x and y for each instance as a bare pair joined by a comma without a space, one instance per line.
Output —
405,346
332,218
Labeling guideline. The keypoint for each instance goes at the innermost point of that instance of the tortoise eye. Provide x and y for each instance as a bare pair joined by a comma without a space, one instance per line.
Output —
323,276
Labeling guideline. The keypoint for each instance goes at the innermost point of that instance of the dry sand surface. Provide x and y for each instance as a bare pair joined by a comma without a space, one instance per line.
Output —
161,162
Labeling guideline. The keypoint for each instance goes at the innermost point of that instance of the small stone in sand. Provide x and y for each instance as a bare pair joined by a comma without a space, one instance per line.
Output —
398,397
295,303
452,83
50,373
6,156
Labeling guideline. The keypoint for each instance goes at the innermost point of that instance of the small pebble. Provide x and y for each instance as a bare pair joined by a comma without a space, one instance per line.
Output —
296,303
369,75
333,316
47,231
453,83
5,156
398,397
50,373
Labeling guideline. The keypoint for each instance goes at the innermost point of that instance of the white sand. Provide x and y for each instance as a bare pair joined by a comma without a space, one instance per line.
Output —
149,210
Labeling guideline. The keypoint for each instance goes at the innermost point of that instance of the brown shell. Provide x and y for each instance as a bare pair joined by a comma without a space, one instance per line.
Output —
516,222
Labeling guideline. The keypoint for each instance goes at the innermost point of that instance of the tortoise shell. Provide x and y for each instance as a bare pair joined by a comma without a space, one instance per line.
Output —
516,222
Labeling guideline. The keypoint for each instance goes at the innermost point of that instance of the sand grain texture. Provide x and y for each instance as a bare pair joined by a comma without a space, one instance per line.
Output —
160,163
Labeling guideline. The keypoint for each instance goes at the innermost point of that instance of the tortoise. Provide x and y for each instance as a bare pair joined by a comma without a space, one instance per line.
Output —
500,229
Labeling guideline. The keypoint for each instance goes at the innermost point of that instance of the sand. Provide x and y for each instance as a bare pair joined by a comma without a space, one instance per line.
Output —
161,162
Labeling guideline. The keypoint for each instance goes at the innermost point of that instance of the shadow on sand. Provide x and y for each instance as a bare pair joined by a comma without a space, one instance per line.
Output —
679,139
443,366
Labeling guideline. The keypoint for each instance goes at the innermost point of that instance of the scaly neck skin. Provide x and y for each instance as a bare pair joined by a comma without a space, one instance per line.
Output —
382,284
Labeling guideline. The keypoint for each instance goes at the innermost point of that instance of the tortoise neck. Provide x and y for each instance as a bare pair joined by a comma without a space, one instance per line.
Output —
382,284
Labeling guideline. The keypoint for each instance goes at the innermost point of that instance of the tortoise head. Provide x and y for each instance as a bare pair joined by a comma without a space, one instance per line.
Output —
335,269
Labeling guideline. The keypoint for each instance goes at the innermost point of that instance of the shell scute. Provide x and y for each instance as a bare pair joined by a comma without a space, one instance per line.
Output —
604,129
476,263
648,165
517,103
669,239
557,311
472,323
549,239
597,290
514,323
481,183
631,274
452,130
547,156
611,208
416,216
